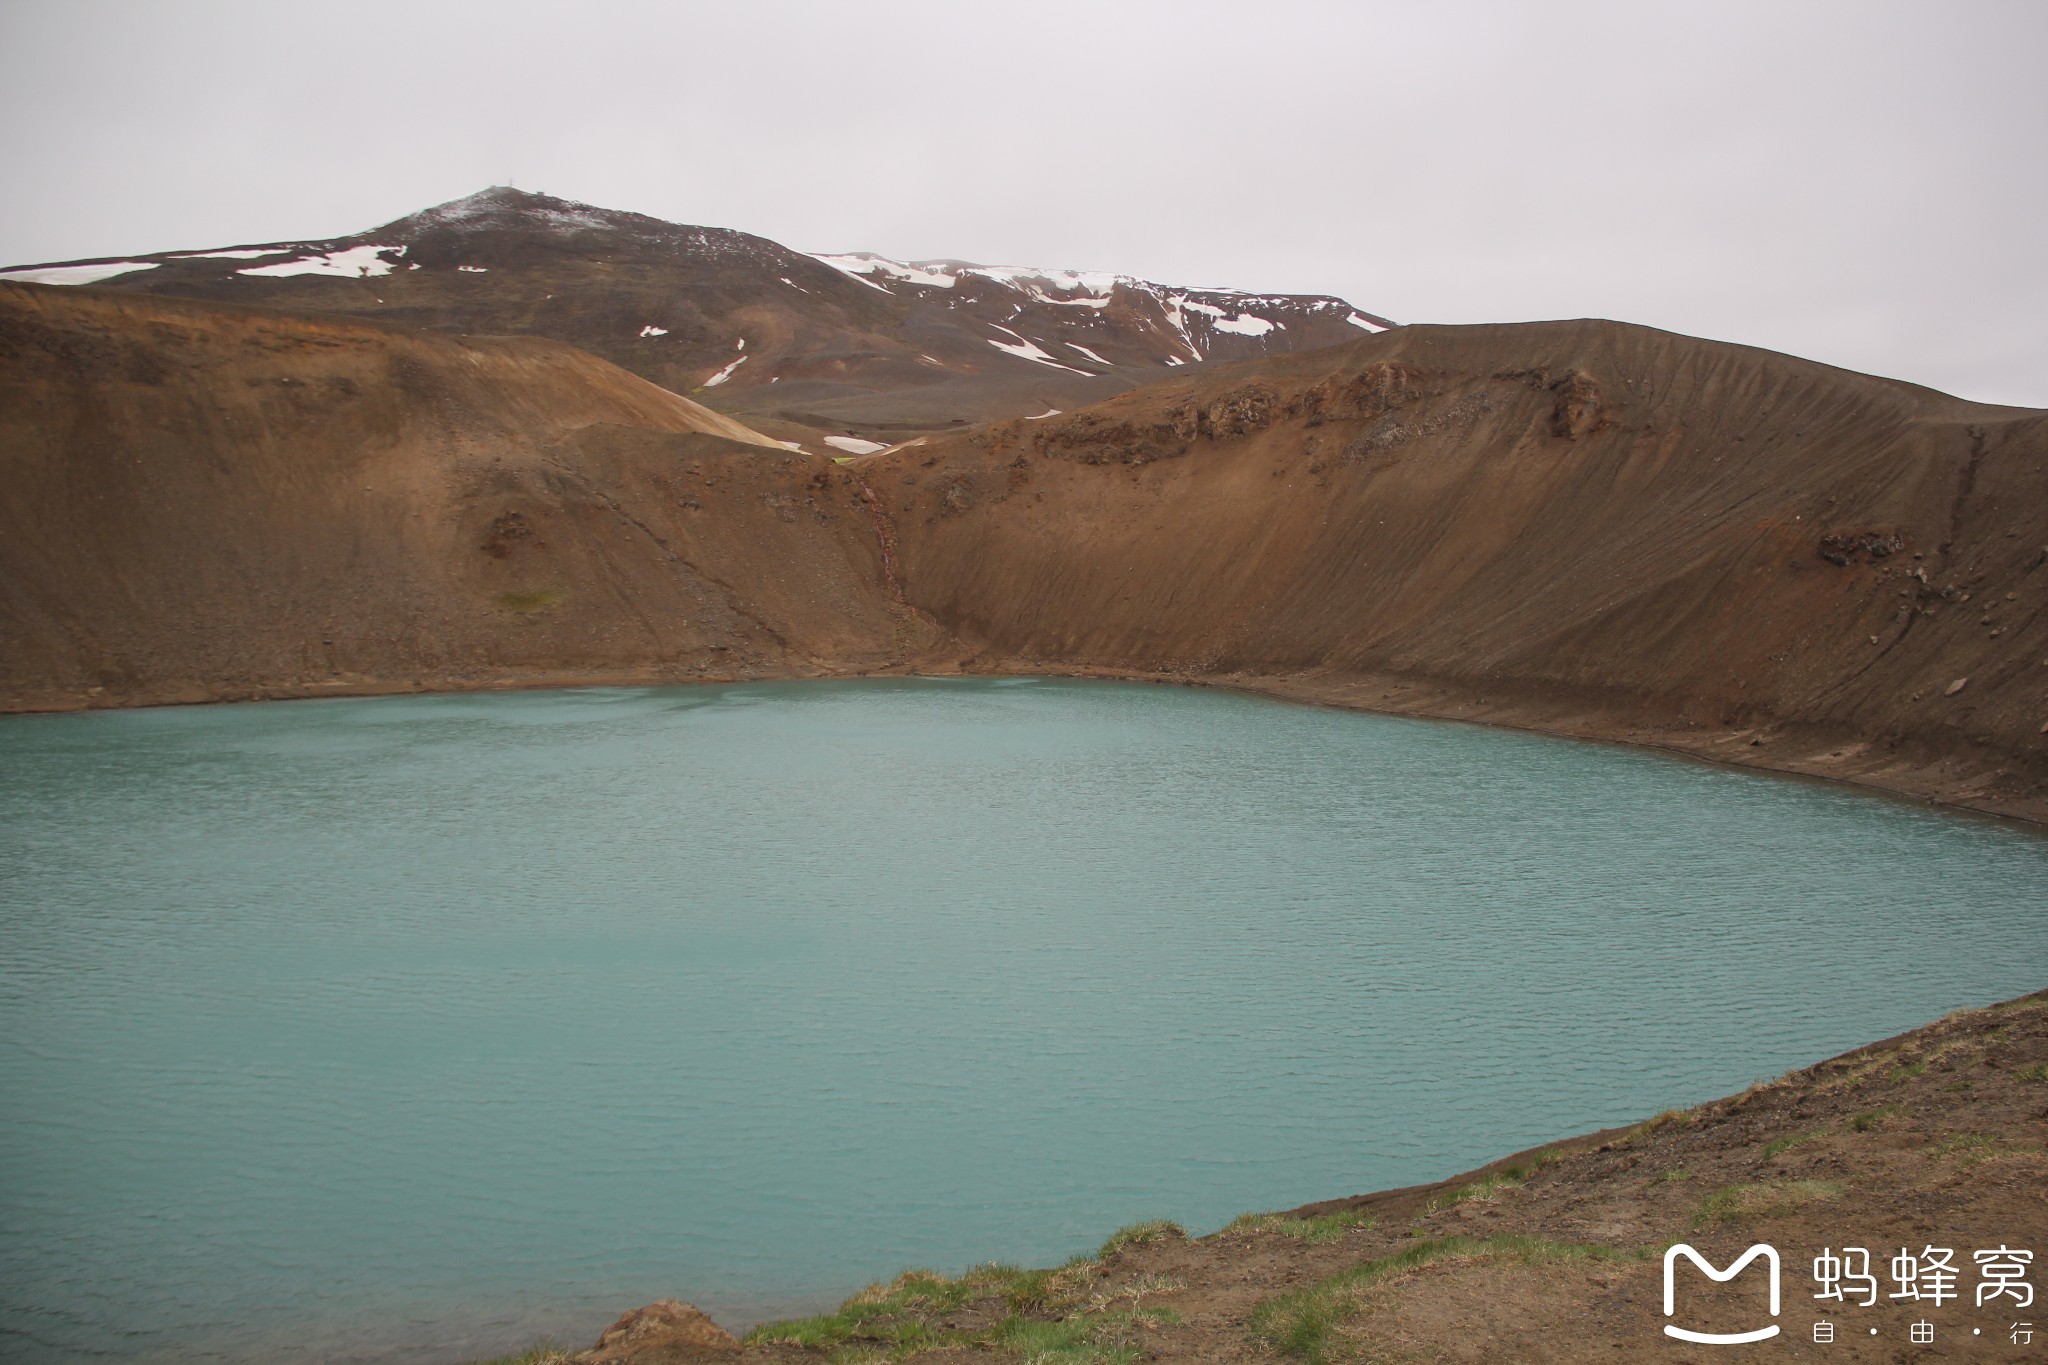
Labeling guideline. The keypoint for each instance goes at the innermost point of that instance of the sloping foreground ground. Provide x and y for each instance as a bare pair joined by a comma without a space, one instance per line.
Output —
1935,1139
1586,528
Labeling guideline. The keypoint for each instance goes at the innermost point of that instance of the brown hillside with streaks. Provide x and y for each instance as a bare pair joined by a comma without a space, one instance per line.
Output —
207,502
1581,527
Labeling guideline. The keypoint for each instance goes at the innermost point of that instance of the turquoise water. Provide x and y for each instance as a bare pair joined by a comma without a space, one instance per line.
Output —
415,1027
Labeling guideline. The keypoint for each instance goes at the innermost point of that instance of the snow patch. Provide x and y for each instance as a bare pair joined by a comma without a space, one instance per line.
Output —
1093,287
1096,284
1171,304
1175,360
724,374
1024,349
861,264
355,262
1367,324
474,269
1077,346
240,254
1049,412
853,445
474,211
1245,325
650,330
76,274
742,346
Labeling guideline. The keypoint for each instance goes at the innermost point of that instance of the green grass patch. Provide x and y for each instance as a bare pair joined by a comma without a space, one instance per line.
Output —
1315,1231
891,1314
1522,1170
1481,1190
1870,1120
528,601
1652,1125
1103,1339
1671,1177
1139,1234
1303,1322
1969,1148
1779,1146
1761,1200
1909,1071
2037,1072
898,1318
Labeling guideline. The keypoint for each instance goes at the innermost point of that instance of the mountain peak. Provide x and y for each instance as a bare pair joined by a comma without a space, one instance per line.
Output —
501,206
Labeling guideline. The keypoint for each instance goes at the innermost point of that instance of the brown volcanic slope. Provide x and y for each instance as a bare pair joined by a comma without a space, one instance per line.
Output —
871,347
1581,527
206,502
1585,528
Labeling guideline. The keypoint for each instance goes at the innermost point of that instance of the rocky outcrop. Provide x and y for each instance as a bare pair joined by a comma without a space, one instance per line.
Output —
665,1332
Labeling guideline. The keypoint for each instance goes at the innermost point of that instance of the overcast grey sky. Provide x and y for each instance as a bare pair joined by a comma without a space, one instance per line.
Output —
1863,183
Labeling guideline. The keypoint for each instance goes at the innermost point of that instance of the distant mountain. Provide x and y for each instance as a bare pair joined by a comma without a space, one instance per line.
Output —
799,345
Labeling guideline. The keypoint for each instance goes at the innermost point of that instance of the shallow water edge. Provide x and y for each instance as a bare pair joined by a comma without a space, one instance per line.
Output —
1959,777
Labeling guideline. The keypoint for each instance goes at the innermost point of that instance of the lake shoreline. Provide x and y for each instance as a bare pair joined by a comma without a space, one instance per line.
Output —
1966,776
1550,1253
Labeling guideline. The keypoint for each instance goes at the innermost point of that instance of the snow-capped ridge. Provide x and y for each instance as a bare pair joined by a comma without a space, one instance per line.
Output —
89,273
1039,284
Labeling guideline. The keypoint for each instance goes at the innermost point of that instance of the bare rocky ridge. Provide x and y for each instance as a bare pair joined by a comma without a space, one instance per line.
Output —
859,347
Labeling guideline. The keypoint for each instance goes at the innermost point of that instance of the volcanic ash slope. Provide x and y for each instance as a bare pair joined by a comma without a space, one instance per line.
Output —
208,502
1583,527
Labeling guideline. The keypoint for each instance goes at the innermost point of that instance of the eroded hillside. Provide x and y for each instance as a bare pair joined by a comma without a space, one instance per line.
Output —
1583,527
206,502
